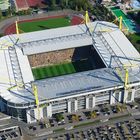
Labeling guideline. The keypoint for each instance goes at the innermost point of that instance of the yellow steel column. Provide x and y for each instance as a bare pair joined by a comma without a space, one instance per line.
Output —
17,29
126,85
87,18
126,78
35,91
120,23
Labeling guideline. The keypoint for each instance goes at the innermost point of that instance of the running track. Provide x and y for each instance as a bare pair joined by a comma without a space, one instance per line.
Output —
12,29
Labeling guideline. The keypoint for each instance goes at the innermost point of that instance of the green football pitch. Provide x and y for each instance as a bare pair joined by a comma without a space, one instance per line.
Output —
44,24
61,69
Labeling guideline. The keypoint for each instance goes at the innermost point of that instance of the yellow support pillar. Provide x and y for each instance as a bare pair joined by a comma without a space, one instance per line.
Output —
126,85
87,18
120,23
17,29
126,78
35,91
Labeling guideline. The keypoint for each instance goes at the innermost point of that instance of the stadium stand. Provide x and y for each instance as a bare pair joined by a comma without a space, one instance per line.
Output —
58,57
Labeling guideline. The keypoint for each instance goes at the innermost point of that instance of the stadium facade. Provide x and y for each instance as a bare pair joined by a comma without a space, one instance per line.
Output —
72,92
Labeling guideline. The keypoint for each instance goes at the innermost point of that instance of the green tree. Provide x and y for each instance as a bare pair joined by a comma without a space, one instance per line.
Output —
53,3
76,8
59,117
0,14
62,4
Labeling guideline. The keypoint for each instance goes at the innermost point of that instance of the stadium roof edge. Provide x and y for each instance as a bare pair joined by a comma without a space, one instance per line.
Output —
81,83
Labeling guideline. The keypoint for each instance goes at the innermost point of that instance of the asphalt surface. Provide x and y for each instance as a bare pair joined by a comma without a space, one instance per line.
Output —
83,128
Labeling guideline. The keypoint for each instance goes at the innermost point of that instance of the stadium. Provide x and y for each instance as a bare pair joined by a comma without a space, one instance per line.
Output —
66,69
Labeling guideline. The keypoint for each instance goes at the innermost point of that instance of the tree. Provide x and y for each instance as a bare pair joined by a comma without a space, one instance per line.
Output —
53,3
93,114
75,117
0,14
59,117
62,4
76,8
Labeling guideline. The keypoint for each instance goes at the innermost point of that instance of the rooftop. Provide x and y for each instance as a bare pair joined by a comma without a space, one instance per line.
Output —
76,36
73,84
107,39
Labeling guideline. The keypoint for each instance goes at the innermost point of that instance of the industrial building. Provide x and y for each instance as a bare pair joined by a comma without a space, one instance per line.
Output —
114,77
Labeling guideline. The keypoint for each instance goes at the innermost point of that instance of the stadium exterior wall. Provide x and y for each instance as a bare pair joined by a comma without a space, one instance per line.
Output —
73,104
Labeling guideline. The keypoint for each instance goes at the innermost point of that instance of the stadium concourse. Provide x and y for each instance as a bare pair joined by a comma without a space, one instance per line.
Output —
26,4
102,45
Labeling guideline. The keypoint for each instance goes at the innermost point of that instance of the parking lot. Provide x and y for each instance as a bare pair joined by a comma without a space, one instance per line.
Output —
8,130
99,112
65,122
127,130
10,134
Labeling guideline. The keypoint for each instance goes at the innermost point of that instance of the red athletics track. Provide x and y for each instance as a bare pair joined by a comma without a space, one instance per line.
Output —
12,29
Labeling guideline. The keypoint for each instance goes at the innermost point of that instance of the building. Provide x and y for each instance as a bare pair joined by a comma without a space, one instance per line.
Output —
4,5
135,4
109,51
26,4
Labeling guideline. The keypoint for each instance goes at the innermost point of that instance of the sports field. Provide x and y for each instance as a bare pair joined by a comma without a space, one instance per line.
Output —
37,24
119,12
61,69
44,24
127,22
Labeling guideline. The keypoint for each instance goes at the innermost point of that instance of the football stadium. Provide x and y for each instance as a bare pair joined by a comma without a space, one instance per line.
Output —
67,69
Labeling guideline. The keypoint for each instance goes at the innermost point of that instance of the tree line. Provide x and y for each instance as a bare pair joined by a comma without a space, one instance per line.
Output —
72,4
99,10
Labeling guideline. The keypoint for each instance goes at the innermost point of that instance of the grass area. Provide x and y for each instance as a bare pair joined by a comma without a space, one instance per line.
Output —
59,130
86,124
135,40
127,22
114,8
61,69
119,117
44,24
119,13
